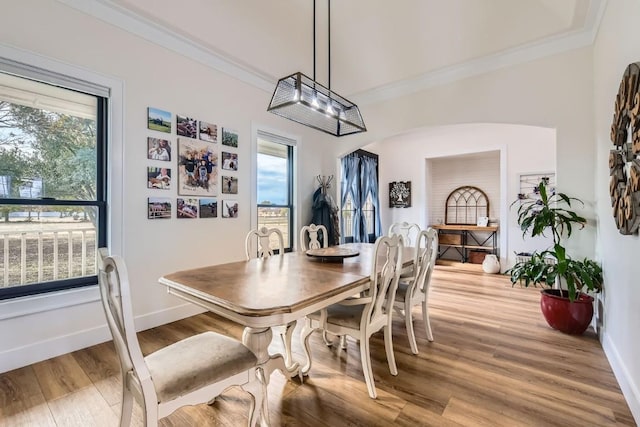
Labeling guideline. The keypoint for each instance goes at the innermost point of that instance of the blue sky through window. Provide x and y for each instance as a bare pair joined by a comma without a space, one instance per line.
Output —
272,179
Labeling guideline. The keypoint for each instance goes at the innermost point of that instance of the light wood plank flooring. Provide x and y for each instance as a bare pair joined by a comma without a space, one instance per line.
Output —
494,362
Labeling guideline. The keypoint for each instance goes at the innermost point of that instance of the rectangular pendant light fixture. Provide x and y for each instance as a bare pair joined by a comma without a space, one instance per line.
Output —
303,100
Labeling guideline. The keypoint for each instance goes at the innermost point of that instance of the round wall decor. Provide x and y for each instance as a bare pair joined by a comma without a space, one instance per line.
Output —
624,161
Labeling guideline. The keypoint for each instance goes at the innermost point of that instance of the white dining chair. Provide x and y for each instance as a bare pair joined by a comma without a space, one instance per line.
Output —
414,290
363,316
310,239
259,242
189,372
408,231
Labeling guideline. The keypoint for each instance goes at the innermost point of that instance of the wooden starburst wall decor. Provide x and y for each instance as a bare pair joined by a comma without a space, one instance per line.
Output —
624,162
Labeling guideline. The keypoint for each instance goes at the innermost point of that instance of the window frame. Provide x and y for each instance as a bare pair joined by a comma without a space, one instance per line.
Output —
103,108
290,142
343,211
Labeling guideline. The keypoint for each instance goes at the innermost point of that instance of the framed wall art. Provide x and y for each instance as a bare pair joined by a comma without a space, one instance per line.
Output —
159,120
197,168
158,207
229,137
187,208
158,149
400,194
186,126
209,208
208,132
229,161
229,209
159,178
229,185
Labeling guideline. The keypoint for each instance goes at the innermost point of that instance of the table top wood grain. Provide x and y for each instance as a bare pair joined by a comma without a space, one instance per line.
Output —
276,286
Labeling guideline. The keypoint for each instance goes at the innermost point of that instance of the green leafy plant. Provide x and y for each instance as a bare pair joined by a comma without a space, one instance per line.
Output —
552,213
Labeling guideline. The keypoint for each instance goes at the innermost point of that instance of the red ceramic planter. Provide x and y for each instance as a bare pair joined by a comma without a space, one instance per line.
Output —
568,317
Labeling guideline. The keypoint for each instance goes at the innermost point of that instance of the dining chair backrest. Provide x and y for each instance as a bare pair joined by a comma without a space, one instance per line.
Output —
425,260
408,231
102,254
191,371
385,273
116,301
310,239
262,243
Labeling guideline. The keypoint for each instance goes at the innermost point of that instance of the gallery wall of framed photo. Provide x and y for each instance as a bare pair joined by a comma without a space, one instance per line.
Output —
194,158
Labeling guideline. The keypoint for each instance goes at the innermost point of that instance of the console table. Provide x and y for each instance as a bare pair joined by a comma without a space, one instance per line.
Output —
466,238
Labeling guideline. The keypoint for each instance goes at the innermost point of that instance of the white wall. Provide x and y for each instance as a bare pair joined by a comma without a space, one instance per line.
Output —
617,45
481,170
149,75
407,157
554,93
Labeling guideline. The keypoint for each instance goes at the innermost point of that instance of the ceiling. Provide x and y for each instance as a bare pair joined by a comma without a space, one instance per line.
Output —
379,48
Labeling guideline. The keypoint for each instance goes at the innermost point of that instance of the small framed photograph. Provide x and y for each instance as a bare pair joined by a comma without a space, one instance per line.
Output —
209,208
159,120
229,209
158,208
187,208
229,161
187,126
208,132
229,185
158,149
229,137
159,178
483,221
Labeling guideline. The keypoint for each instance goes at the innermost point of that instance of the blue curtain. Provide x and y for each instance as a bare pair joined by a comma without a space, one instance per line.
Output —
351,186
369,186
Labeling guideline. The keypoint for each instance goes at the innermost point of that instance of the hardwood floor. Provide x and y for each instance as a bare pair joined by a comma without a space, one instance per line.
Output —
494,362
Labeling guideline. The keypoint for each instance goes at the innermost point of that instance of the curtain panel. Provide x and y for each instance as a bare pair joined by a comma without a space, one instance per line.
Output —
359,180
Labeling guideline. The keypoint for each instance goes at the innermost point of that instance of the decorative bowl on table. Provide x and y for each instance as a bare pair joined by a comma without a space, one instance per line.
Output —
332,253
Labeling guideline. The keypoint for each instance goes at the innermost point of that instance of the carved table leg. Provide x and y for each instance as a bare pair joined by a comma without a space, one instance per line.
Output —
258,340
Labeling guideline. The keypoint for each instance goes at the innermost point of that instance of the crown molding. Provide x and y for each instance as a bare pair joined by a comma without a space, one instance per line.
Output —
109,12
506,58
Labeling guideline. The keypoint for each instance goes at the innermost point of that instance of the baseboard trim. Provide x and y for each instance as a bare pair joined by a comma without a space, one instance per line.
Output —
628,387
42,350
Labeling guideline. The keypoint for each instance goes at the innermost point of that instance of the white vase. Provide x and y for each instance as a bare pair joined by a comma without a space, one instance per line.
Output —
491,264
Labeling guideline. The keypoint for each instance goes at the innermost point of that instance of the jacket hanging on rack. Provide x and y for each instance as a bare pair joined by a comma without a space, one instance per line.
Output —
325,212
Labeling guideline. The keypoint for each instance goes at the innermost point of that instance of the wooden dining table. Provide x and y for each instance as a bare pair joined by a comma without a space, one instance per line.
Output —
263,293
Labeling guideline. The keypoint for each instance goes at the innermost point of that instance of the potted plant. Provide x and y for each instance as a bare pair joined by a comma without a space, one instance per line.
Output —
565,304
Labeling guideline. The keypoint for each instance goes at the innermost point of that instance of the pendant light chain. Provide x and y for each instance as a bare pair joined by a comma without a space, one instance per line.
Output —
329,38
314,40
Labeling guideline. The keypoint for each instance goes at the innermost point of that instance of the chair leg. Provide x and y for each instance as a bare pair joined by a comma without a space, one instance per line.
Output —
126,409
343,342
388,346
425,318
325,338
365,356
257,388
408,320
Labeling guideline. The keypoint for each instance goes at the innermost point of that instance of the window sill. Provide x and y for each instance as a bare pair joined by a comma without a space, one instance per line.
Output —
33,304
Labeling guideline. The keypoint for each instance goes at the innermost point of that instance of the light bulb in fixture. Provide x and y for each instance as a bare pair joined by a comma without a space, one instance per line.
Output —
330,109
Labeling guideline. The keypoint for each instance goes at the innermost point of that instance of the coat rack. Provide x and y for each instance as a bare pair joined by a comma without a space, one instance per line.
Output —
325,182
